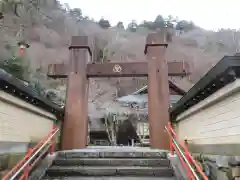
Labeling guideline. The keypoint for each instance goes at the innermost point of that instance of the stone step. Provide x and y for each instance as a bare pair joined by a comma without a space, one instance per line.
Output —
111,162
109,171
112,154
109,178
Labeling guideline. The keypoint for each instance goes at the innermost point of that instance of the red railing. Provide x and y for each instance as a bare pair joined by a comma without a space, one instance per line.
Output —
193,170
22,169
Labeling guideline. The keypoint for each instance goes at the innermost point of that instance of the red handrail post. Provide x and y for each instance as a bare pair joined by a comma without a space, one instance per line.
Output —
52,140
171,143
52,146
171,147
26,172
190,177
187,155
27,168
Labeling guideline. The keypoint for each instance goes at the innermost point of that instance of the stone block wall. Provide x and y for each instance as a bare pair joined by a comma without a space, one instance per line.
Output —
21,125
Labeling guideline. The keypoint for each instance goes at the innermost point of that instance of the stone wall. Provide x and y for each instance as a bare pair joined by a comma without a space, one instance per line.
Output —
21,124
212,126
219,167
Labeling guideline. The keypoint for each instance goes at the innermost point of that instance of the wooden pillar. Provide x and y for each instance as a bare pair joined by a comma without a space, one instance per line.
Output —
158,90
75,128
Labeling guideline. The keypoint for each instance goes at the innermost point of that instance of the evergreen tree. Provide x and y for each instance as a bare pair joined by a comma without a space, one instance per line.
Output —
185,26
76,13
120,25
148,24
133,26
17,67
159,22
105,24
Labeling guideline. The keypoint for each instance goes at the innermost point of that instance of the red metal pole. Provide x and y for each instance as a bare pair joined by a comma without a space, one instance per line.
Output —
171,142
188,171
188,154
22,51
26,172
171,147
26,169
28,155
52,147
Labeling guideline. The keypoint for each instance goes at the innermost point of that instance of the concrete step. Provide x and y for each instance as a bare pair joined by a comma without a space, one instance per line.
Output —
110,178
112,162
112,154
109,171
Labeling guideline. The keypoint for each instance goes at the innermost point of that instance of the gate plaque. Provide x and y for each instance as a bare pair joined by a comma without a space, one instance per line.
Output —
117,68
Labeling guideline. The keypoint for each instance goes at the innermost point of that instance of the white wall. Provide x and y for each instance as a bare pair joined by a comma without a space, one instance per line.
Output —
142,128
216,120
19,124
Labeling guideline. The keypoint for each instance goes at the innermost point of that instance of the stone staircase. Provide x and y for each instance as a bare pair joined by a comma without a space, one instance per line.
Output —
111,163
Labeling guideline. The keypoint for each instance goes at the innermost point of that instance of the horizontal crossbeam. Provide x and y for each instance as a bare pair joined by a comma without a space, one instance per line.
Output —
132,69
138,69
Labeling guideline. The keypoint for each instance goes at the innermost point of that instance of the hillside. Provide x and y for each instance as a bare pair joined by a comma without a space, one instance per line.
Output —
48,29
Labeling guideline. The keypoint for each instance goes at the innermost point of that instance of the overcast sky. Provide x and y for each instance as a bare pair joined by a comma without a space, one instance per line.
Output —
209,14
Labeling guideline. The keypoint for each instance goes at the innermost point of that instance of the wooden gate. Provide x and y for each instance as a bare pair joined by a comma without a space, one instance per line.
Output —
79,69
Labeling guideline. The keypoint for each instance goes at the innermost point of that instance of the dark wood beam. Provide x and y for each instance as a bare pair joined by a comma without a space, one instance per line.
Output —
138,69
158,91
133,69
75,125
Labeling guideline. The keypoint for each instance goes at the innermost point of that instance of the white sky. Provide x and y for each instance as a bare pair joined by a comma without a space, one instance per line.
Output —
209,14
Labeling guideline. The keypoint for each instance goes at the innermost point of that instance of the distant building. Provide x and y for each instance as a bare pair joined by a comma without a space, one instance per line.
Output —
139,100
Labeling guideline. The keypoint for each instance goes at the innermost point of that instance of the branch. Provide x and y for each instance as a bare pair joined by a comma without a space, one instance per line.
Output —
106,125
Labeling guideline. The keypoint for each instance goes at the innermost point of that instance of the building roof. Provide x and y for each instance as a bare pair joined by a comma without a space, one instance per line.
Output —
143,98
223,73
19,89
144,90
140,98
